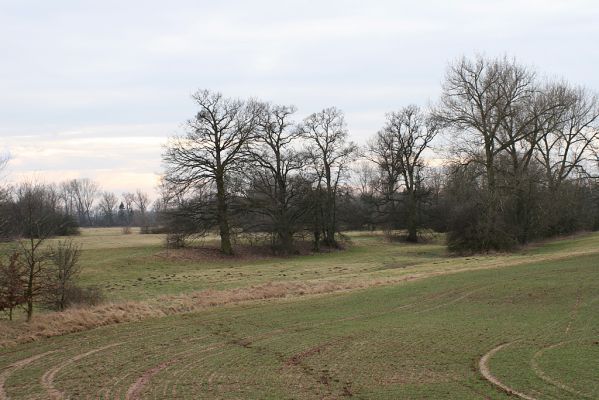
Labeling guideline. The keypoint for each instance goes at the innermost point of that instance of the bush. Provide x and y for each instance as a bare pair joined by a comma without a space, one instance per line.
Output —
13,278
175,240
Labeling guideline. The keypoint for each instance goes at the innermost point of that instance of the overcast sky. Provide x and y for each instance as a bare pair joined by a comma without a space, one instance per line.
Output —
94,88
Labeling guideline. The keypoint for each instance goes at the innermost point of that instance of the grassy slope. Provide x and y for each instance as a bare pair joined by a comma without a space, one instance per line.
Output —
420,339
135,267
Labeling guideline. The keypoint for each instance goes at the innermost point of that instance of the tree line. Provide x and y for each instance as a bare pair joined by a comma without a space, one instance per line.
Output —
73,203
35,273
517,163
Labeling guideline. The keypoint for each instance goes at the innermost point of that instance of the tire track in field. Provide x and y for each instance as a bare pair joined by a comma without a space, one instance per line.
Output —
483,367
47,379
135,390
462,297
23,363
17,365
113,384
574,312
54,393
322,377
187,366
541,374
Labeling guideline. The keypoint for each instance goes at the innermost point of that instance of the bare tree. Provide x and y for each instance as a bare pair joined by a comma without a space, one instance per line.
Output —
275,187
61,273
571,141
211,149
34,212
67,198
382,151
84,192
366,179
108,205
141,201
479,98
331,155
398,151
129,201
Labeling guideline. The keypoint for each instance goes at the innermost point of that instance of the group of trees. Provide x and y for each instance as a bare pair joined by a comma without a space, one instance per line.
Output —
45,276
80,202
248,165
517,159
32,271
524,155
90,206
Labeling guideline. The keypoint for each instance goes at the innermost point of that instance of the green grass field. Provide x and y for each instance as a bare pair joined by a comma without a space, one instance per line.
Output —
422,325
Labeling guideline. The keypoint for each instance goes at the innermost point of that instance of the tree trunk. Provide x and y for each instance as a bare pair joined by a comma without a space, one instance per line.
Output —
29,292
29,309
285,242
492,205
329,220
284,225
412,218
223,223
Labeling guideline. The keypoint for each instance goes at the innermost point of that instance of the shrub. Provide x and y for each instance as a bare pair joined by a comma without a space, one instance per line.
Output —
175,240
13,279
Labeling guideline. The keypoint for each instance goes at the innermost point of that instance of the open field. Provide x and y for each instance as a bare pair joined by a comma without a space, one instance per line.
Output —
392,321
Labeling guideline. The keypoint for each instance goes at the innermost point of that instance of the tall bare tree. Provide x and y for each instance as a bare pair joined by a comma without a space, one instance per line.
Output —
108,205
570,142
142,201
479,98
35,213
67,198
331,155
398,151
275,186
85,192
61,273
382,151
212,148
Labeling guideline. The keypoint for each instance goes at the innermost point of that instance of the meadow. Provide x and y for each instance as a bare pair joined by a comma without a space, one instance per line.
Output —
378,320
